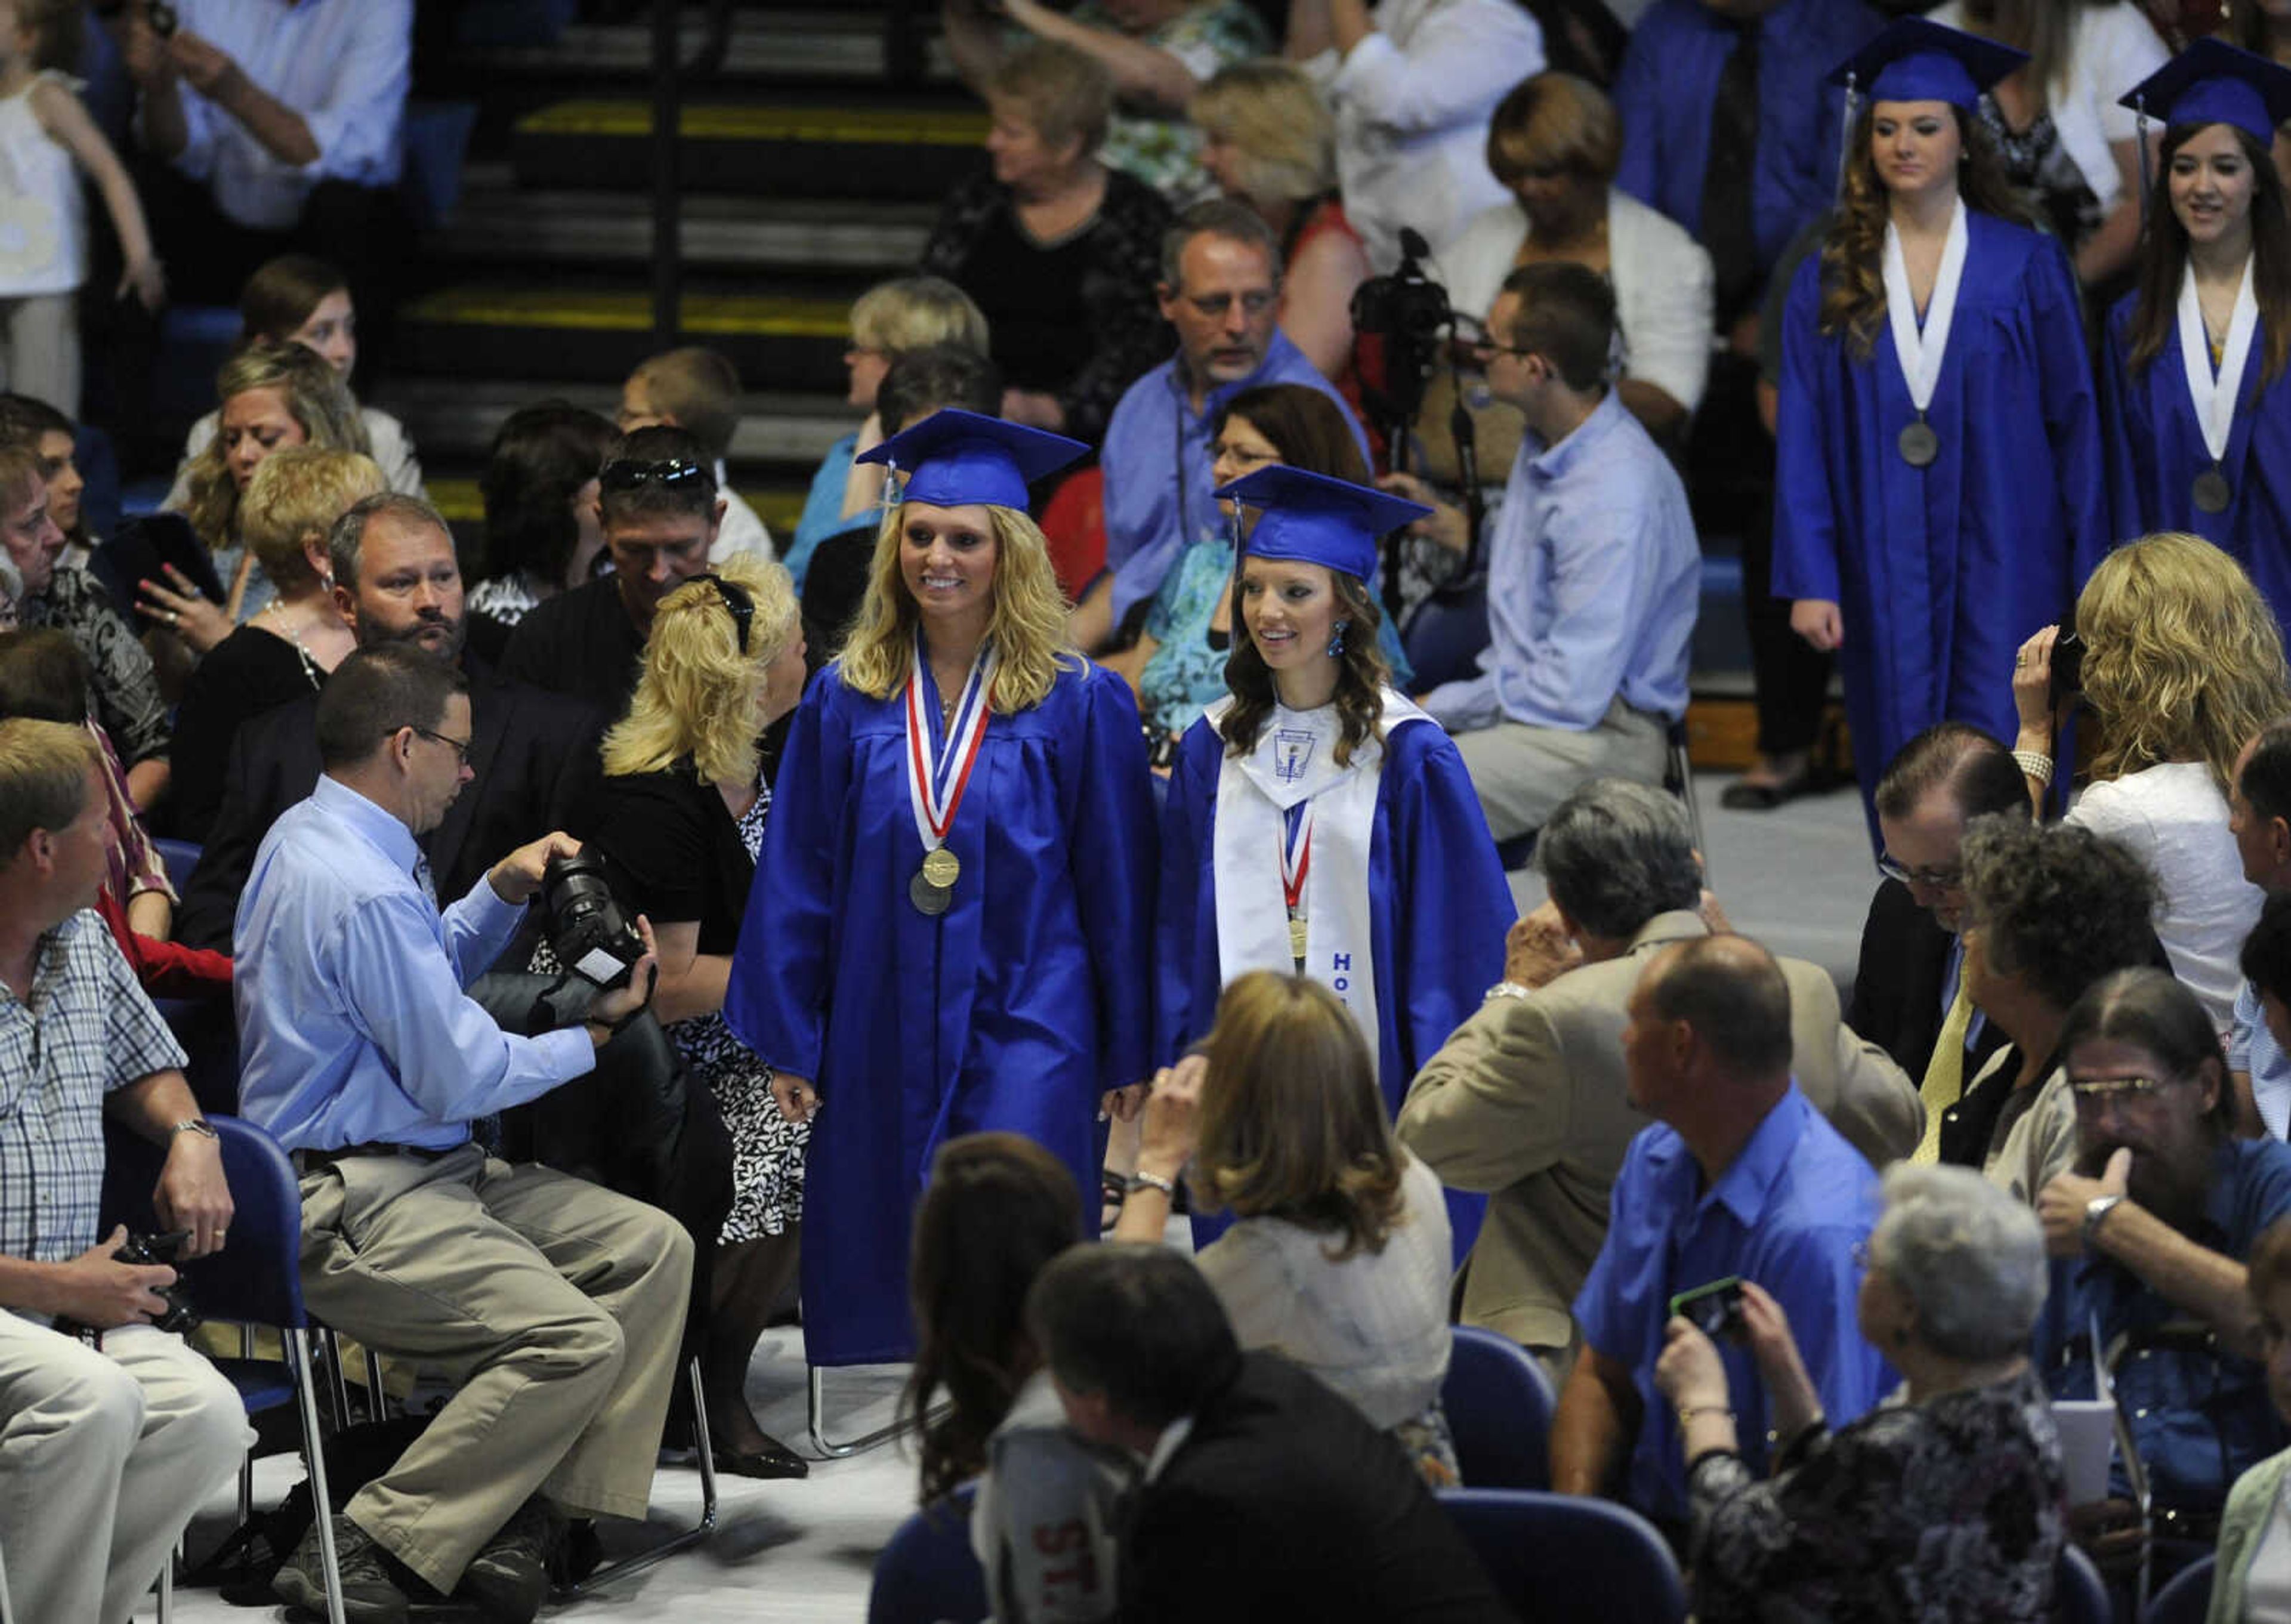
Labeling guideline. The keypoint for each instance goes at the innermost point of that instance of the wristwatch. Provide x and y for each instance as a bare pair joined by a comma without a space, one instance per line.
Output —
2095,1209
198,1125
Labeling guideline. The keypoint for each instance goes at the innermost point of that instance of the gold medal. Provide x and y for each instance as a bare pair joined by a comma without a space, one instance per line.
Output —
1297,938
942,867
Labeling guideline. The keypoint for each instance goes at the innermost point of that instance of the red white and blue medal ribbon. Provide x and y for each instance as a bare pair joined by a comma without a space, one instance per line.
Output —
940,771
1295,865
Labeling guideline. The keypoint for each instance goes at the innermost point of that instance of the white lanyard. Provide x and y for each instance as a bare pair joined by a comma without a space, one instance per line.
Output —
2215,395
1918,350
936,780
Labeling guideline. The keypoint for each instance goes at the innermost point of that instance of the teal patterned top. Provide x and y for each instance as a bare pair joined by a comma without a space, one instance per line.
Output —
1165,152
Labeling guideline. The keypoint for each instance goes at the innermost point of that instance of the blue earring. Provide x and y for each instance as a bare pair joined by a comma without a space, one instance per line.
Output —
1336,642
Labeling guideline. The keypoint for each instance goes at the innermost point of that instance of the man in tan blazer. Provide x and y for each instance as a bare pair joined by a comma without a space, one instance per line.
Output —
1525,1100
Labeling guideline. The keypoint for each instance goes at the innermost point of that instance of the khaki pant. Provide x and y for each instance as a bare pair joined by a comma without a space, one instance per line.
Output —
556,1304
40,357
1521,773
104,1457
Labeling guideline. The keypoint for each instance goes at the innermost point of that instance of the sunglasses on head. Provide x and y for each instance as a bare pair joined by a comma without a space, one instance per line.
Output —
737,601
627,474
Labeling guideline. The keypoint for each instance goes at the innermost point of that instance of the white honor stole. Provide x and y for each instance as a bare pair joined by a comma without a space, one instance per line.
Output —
1920,349
2215,395
1295,762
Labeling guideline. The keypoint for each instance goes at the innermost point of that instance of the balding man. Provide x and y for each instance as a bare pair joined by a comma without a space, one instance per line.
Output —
1527,1099
1742,1179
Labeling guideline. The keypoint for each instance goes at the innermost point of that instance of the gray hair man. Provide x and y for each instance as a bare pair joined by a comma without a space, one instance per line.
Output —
1526,1102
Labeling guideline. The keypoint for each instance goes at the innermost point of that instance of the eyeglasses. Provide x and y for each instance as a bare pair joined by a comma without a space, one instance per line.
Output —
736,599
628,474
2091,1091
460,747
1253,303
1939,878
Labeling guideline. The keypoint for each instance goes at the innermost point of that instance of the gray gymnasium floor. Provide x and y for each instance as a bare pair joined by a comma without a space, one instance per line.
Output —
1799,880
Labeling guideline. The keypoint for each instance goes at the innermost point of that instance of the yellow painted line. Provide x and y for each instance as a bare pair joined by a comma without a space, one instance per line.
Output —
459,501
851,125
736,314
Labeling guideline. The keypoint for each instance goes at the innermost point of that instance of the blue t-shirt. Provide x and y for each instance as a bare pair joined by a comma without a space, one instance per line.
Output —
1788,1214
2199,1419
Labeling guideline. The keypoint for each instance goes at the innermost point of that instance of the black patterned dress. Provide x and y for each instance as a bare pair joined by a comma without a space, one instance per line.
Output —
676,853
1947,1512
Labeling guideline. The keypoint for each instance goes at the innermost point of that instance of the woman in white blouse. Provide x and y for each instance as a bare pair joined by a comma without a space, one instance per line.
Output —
1411,82
1555,144
2183,664
1340,1254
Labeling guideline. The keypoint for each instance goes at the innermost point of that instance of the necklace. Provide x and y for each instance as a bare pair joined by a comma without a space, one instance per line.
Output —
311,670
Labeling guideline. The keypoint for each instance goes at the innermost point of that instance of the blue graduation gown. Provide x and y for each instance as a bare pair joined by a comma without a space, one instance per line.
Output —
1439,906
1942,573
1014,1010
2156,450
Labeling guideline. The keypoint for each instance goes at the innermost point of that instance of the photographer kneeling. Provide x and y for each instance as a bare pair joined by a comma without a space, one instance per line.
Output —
559,1305
106,1450
1965,1463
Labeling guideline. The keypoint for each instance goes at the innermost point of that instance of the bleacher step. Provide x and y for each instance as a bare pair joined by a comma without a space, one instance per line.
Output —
792,341
498,221
887,152
822,46
454,420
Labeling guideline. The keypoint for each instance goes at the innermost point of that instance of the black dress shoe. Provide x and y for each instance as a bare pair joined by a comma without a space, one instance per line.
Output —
774,1460
509,1579
370,1593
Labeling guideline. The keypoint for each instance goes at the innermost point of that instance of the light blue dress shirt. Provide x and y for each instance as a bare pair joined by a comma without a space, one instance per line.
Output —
1156,459
822,508
1594,579
1787,1214
353,1024
2252,1051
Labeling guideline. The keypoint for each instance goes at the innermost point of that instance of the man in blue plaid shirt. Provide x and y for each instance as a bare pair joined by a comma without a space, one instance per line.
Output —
109,1439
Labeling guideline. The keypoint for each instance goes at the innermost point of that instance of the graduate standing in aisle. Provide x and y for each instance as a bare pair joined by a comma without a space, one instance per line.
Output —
951,916
1938,489
1319,824
2194,401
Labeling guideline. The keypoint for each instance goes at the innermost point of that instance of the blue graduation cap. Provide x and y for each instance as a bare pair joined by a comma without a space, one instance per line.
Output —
2212,82
1916,60
953,458
1311,519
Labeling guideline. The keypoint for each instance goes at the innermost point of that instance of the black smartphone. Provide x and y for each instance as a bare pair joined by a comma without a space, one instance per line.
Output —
2067,667
1715,1309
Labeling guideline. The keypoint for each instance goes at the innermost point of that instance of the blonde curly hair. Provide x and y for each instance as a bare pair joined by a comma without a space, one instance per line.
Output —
1028,626
698,694
2183,661
316,397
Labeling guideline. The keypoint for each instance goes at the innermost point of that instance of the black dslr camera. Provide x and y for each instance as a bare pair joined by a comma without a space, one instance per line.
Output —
156,1251
1401,321
588,933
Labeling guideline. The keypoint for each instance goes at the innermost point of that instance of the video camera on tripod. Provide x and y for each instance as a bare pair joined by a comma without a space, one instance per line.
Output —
1403,326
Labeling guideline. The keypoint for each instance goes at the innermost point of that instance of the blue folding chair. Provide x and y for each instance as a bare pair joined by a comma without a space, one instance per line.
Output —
257,1280
927,1572
181,858
1499,1405
1569,1559
2187,1598
2080,1596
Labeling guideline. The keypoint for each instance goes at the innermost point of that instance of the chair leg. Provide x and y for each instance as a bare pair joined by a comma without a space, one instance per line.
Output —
338,1386
314,1460
246,1462
377,1403
671,1546
818,1422
167,1590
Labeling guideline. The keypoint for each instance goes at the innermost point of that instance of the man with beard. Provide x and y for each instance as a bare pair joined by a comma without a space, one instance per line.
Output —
396,581
2148,1235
